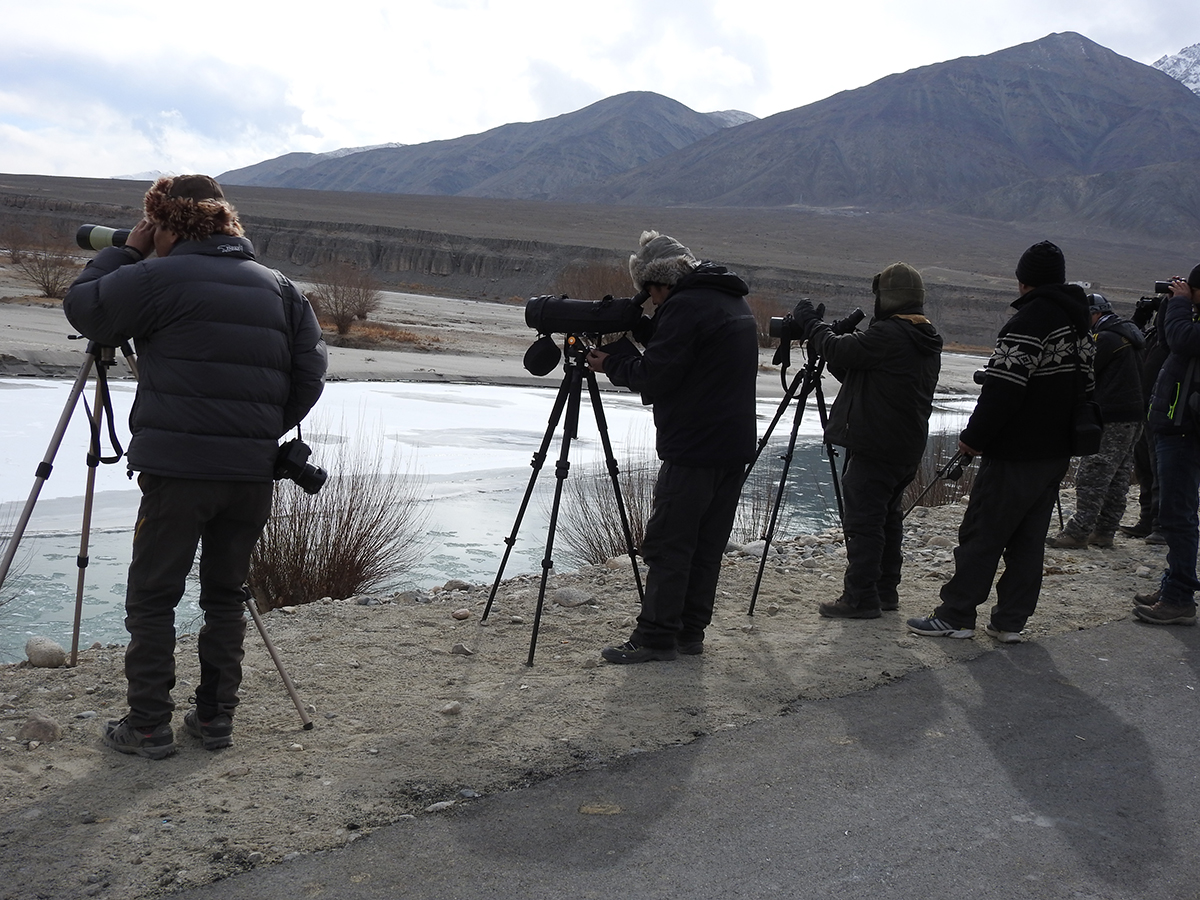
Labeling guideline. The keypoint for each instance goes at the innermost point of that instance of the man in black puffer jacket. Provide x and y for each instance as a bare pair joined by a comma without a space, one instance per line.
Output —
1102,478
881,416
1022,429
230,358
698,372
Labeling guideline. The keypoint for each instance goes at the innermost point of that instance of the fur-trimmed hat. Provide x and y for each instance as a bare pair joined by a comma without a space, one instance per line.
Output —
192,206
898,287
1043,263
659,260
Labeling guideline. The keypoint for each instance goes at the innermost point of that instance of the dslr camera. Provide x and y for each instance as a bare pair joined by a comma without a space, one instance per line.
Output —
292,463
786,329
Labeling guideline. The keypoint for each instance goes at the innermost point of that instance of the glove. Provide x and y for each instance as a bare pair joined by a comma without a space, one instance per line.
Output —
806,317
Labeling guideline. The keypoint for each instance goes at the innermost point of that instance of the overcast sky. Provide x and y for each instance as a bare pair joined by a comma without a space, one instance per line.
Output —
100,89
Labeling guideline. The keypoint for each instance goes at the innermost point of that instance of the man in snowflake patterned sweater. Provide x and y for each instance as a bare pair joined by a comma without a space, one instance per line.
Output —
1021,429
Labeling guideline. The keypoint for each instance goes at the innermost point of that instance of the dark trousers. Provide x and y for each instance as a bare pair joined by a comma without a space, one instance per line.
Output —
872,496
1179,492
176,514
686,535
1007,517
1145,462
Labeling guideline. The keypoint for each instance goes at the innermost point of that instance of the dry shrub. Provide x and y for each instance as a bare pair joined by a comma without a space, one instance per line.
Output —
365,528
44,259
592,280
590,525
342,293
765,307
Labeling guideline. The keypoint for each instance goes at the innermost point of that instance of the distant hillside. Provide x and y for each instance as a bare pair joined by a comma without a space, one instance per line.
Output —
532,160
265,172
1061,106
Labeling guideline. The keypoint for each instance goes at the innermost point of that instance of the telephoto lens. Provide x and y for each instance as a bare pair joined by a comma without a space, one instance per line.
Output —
97,237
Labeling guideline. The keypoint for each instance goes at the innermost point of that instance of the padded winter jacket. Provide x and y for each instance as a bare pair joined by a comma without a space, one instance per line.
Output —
1175,403
699,371
889,373
229,358
1119,346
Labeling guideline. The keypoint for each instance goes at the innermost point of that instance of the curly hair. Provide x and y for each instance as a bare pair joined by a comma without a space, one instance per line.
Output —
192,206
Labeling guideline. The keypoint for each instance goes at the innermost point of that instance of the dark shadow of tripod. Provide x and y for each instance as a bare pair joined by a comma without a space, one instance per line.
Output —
806,381
569,398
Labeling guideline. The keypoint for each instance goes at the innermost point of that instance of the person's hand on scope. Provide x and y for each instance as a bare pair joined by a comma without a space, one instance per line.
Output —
141,238
805,315
595,360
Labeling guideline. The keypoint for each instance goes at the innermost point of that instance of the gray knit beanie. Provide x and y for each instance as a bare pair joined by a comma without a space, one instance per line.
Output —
898,287
659,260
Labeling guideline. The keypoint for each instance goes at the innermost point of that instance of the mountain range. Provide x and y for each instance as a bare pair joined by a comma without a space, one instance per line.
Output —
1059,128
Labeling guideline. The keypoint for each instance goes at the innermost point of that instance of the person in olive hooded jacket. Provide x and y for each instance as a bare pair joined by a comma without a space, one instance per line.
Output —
881,416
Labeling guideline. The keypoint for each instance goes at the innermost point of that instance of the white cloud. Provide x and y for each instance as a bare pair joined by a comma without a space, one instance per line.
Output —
87,89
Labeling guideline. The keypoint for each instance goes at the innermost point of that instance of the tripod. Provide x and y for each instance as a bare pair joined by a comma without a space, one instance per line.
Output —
570,391
806,381
100,359
951,471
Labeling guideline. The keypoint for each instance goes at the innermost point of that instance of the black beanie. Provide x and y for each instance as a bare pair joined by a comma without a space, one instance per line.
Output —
1194,279
1043,263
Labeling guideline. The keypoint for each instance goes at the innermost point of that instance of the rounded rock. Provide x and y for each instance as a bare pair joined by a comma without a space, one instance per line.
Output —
44,653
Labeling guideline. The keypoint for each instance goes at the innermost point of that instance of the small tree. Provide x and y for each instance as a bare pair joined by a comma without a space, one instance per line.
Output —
42,259
342,293
365,527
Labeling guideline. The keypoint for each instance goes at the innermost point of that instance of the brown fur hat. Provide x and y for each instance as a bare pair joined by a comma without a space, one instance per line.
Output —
192,206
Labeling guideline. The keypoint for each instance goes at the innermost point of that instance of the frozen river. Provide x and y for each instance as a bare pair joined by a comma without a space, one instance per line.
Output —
470,446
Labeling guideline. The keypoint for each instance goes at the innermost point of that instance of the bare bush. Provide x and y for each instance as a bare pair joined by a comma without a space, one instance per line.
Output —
590,525
765,307
342,293
43,259
363,529
593,280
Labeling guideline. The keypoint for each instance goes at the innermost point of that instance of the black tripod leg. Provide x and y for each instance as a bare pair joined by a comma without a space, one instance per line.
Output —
46,466
539,458
614,474
830,452
783,405
93,462
561,469
811,373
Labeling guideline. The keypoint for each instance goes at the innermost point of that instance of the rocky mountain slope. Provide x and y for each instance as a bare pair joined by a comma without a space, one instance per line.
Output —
1058,107
532,160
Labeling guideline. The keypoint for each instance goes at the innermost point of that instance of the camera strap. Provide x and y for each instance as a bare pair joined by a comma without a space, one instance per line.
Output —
94,457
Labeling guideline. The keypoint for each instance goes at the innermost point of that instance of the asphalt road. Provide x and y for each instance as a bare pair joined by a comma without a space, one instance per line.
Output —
1057,769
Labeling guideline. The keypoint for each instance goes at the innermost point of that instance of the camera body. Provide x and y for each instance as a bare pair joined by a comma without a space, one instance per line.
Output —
786,329
292,463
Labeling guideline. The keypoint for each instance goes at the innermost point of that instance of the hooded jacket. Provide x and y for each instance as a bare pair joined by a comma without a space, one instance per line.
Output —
1119,346
1175,402
699,371
1041,367
889,373
229,360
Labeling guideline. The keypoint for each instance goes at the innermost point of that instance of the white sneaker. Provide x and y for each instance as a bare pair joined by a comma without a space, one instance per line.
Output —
1004,637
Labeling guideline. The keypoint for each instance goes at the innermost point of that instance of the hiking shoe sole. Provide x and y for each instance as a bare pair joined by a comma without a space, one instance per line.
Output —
1004,637
932,626
155,743
1161,614
214,735
840,610
630,652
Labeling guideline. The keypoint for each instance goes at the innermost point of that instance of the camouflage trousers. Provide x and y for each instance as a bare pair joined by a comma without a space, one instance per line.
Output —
1102,482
